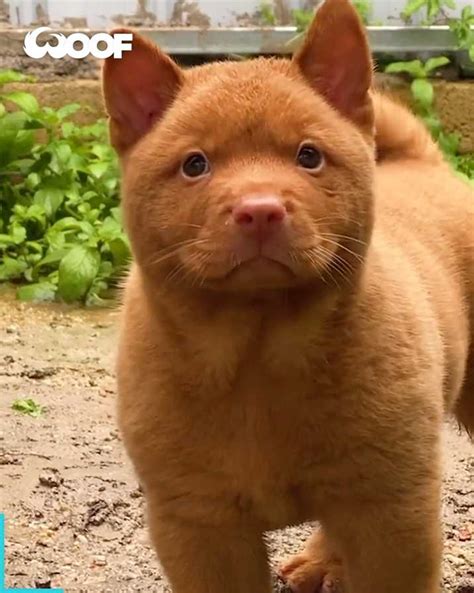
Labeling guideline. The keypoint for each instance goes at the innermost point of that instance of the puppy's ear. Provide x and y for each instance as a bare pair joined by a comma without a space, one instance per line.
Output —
335,59
138,88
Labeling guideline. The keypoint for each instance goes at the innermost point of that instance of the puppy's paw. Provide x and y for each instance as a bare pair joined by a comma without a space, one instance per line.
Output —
305,574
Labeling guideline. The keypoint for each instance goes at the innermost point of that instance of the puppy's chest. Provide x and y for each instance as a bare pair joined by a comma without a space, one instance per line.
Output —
268,439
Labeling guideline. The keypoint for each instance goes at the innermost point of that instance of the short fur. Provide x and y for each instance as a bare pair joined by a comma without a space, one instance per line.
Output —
257,395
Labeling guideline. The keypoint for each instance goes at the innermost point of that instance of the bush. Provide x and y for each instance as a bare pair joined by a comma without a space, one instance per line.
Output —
60,225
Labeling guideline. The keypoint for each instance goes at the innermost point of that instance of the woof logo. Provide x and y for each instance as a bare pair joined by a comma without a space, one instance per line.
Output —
77,45
3,588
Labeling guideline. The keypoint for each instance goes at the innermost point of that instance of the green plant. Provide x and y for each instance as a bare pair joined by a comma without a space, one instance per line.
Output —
267,14
462,26
60,225
421,88
302,18
364,8
465,165
28,407
433,9
423,97
463,30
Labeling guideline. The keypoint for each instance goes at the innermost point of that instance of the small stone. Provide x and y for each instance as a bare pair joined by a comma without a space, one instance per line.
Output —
452,559
12,329
50,478
99,561
9,459
97,513
39,373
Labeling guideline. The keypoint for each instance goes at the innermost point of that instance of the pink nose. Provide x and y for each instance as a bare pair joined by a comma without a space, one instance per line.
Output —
259,215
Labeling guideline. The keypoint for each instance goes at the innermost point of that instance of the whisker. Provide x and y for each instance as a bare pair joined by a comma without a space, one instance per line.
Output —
314,259
172,250
347,237
350,251
185,224
335,218
338,264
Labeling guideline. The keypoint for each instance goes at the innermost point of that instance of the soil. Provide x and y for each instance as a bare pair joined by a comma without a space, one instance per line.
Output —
73,507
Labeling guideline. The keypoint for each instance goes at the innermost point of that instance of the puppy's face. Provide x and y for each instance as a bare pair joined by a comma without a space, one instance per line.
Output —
241,176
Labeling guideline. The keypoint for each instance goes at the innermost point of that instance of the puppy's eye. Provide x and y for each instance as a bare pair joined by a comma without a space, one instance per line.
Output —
195,165
310,157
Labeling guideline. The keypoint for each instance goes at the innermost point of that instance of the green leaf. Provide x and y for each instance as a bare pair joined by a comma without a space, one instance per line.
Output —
63,152
23,144
120,250
12,122
414,68
471,53
99,168
21,165
436,62
6,240
433,123
28,407
67,129
53,257
12,269
449,143
7,76
77,271
50,199
67,110
40,292
25,101
412,7
18,233
433,9
423,92
33,180
66,223
101,151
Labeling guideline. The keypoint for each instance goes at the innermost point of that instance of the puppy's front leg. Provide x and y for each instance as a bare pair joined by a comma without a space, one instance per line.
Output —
203,559
392,548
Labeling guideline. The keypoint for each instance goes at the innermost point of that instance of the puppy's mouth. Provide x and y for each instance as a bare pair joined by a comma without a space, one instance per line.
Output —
234,265
261,266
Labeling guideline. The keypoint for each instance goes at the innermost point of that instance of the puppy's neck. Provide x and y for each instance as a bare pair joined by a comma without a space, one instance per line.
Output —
279,329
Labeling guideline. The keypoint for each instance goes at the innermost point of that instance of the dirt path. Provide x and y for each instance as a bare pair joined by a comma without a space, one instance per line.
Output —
74,512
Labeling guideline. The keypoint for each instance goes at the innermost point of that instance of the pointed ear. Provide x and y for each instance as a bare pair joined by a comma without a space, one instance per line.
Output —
138,88
335,59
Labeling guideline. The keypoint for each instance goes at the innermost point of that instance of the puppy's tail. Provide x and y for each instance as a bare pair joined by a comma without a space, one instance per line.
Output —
399,135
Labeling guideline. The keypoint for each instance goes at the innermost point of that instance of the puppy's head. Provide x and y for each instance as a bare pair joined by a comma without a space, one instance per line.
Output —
249,175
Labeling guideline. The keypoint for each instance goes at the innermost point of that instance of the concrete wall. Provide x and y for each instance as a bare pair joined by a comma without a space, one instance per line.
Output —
455,101
90,13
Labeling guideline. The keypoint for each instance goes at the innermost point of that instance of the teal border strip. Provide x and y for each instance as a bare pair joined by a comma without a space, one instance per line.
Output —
3,589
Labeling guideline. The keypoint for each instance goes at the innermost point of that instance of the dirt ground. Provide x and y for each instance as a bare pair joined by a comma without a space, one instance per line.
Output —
74,512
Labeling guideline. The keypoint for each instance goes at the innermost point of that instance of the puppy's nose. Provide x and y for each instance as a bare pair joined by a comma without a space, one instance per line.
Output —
259,215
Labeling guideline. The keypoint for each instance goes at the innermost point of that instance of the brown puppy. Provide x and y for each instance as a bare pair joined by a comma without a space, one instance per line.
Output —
298,317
